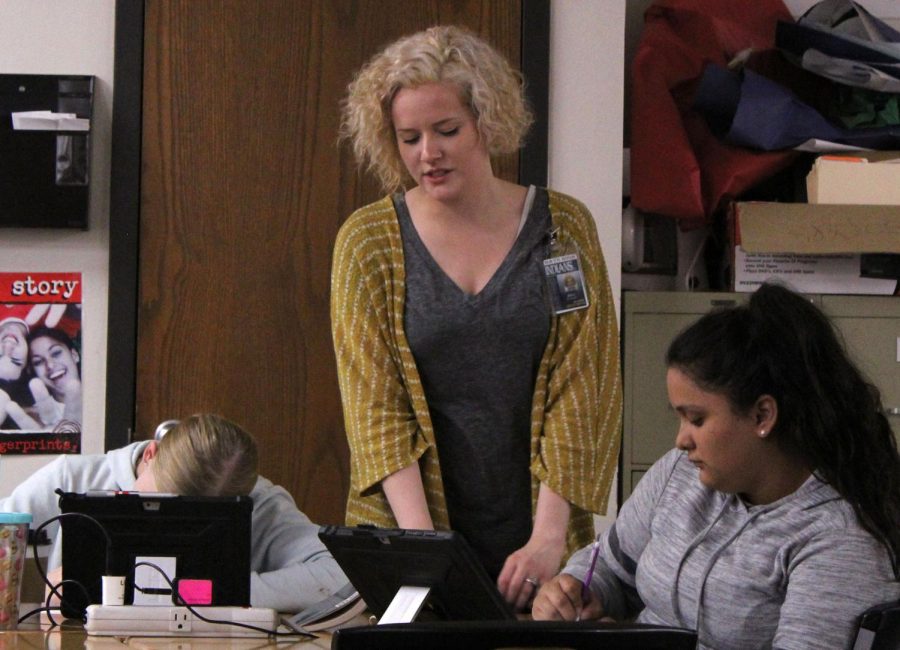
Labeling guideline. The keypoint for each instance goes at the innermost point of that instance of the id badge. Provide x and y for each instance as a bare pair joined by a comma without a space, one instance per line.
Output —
565,282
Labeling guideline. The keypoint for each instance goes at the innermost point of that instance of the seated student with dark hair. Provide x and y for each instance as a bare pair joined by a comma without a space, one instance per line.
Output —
203,455
776,521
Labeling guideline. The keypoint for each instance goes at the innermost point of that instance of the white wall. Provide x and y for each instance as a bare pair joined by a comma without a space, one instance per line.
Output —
587,79
67,37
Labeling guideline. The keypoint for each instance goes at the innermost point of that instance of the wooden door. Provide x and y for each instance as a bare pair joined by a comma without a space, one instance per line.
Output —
243,188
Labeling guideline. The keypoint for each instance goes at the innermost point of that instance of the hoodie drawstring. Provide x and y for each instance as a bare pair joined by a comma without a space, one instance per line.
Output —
698,539
712,560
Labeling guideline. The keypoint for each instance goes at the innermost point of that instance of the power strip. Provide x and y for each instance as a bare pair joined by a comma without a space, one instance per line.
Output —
154,620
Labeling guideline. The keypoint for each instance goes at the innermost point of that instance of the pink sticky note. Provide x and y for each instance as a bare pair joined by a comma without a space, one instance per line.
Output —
195,592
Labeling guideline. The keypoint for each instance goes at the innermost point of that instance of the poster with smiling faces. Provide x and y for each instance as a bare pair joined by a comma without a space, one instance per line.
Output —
40,363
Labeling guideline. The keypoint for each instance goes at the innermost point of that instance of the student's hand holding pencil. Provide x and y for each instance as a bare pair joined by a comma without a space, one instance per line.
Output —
563,599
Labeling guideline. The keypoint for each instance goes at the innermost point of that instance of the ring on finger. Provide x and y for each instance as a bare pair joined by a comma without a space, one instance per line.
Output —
534,582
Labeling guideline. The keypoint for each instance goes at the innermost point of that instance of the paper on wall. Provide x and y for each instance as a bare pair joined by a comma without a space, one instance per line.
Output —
49,121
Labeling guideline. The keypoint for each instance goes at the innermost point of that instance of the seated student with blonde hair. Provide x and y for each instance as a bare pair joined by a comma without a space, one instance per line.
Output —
203,455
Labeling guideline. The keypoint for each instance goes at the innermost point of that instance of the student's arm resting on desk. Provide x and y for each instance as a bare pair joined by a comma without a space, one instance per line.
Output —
291,568
612,582
36,495
113,470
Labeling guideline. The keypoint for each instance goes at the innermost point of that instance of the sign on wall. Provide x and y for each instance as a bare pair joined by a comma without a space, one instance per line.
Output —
40,363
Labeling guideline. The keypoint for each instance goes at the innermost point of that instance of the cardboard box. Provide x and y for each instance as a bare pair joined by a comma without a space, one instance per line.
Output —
869,177
812,248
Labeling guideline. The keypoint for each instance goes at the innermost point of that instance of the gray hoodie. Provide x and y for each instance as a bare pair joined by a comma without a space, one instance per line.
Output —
291,569
795,573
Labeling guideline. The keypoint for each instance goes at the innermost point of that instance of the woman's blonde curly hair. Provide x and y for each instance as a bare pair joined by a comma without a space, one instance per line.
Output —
492,88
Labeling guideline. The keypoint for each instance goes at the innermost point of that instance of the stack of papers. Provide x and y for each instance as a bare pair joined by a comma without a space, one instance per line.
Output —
49,121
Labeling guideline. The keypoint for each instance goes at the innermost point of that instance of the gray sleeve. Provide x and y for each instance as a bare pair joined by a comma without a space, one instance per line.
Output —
834,579
36,496
291,568
621,546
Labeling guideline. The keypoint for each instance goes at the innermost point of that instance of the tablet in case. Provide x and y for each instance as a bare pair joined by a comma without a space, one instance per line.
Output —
200,539
379,561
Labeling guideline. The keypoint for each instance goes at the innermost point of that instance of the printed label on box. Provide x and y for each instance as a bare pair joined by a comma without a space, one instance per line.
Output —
837,273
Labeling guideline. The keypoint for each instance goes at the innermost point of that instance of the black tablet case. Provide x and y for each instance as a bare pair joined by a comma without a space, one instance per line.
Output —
209,536
378,561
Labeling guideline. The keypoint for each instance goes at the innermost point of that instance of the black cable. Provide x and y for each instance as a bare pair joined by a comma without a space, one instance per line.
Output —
176,597
54,589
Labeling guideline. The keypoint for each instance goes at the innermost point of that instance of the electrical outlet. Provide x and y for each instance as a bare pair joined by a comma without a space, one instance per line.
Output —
179,620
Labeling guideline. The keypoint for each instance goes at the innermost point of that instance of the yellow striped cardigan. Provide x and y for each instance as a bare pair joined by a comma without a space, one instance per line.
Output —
577,404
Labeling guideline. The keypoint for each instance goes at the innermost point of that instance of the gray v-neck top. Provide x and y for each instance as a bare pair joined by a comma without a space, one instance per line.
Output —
478,357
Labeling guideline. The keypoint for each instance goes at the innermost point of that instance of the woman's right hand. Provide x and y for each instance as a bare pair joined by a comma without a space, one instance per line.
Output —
560,600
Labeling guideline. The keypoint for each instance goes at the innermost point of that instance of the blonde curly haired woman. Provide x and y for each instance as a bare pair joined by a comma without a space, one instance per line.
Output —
476,396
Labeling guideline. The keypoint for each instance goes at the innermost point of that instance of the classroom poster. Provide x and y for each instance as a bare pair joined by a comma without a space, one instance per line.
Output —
40,363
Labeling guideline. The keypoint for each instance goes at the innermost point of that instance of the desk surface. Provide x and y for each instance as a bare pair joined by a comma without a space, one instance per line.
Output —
71,636
474,635
75,638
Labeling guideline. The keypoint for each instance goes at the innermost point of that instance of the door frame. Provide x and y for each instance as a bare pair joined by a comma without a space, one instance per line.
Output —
125,189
